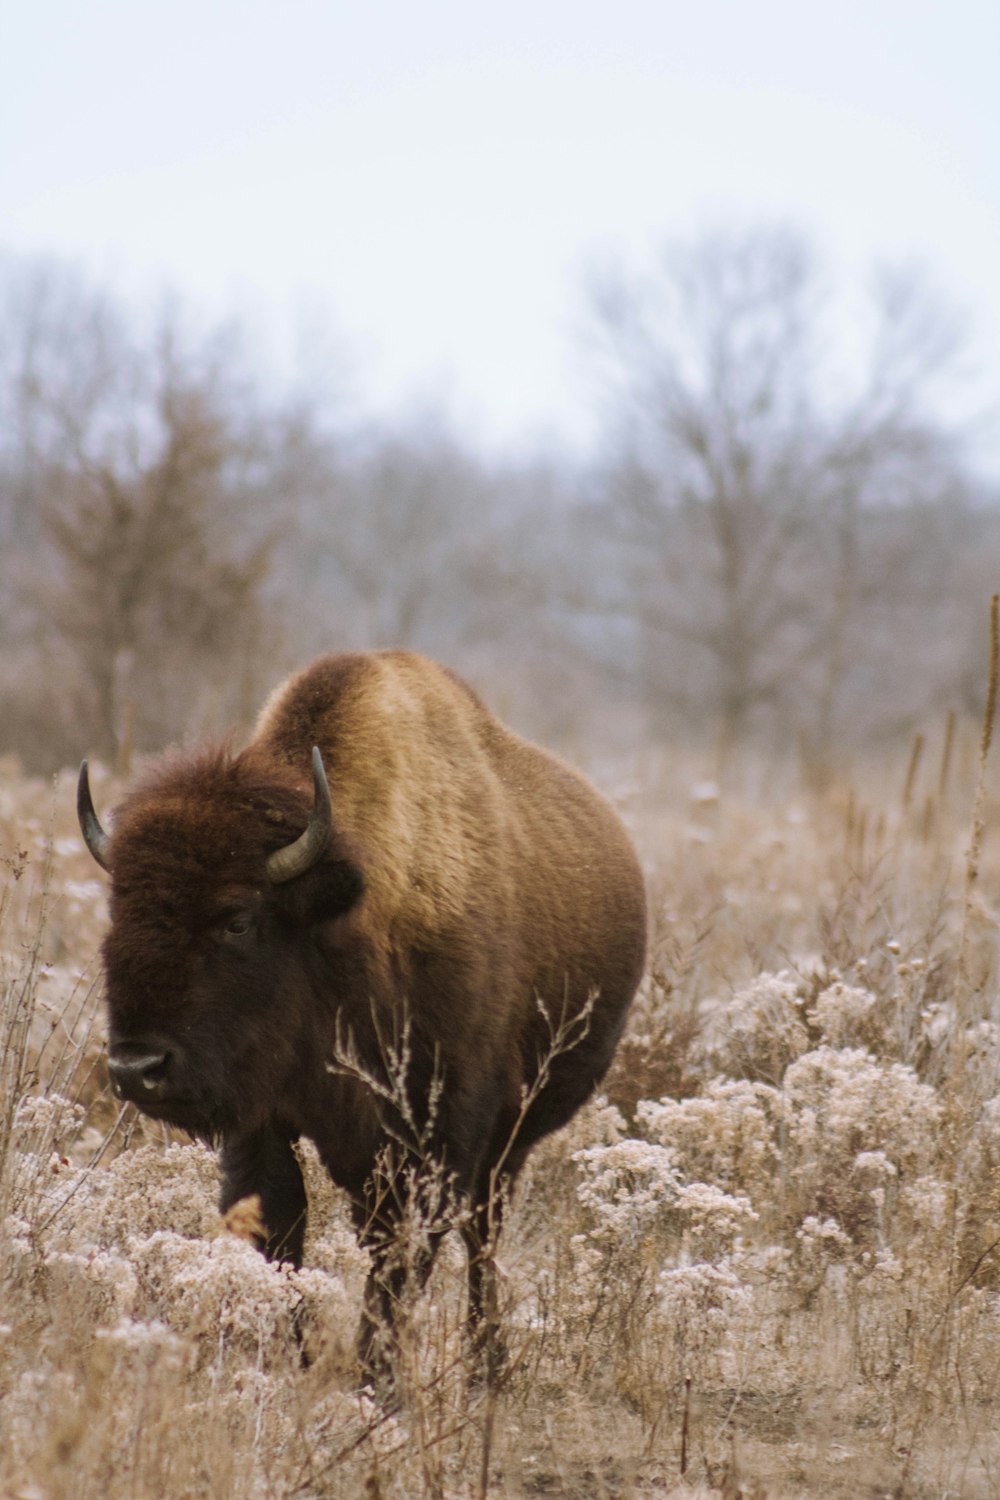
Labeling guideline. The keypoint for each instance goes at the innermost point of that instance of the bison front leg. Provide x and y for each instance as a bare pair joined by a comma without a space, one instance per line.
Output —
378,1333
486,1344
397,1275
264,1163
403,1246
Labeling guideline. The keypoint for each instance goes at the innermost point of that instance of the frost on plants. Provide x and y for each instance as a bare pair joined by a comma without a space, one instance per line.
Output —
771,1248
758,1032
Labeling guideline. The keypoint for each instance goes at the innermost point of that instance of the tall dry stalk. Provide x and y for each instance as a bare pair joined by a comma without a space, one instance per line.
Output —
911,770
946,754
18,997
968,989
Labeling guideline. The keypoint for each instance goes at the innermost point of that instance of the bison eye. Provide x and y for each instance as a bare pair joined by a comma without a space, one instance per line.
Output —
237,925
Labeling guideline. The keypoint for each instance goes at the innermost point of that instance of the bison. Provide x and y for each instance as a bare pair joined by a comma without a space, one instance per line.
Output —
389,925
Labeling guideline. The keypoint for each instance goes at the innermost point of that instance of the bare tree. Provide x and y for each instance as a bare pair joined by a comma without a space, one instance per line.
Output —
137,459
743,475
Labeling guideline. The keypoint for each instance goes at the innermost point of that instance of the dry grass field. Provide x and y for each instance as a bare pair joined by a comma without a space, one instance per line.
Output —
766,1264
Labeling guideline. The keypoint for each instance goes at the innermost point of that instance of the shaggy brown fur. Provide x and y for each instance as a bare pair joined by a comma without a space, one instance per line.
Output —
477,896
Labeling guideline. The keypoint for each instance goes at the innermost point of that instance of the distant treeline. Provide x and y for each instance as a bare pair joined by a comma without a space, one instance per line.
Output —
780,539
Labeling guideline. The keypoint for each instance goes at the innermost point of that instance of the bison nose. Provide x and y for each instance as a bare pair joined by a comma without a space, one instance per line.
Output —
138,1071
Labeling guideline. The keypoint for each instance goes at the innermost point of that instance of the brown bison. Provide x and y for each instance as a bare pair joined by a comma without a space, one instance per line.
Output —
389,925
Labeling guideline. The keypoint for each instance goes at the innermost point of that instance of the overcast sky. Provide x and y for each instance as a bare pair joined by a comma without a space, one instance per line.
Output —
434,177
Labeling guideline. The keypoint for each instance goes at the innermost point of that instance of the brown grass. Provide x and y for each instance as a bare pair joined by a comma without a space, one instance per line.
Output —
767,1265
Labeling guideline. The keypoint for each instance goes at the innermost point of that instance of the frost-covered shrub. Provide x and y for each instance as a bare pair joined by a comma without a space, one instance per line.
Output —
842,1101
552,1170
223,1288
924,1202
843,1141
96,1285
40,1127
45,1122
146,1190
854,1127
727,1135
712,1222
818,1243
982,1060
757,1032
633,1191
699,1305
626,1197
136,1343
846,1015
628,1191
598,1123
655,1262
640,1220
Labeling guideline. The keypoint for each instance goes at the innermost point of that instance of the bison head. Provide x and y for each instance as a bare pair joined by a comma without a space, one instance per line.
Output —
227,890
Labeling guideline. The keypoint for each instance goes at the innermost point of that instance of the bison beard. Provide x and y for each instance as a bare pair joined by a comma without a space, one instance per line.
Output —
388,925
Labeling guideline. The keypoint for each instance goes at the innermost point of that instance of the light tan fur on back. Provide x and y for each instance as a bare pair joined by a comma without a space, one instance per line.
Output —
446,802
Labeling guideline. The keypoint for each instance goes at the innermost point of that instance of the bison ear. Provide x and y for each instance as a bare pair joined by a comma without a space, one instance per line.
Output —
328,890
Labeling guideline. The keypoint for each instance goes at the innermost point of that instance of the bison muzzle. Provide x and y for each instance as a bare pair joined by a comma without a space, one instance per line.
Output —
388,925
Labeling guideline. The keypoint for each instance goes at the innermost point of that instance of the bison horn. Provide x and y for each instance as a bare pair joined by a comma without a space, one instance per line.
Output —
296,858
94,836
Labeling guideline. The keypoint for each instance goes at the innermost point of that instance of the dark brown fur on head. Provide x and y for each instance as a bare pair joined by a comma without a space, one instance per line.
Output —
188,854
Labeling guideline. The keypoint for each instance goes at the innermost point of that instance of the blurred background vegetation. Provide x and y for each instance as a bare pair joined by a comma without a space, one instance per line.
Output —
779,538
